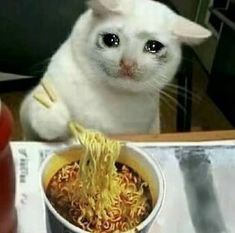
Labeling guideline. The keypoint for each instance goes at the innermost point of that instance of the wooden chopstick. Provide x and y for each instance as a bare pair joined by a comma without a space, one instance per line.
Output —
49,90
42,99
49,97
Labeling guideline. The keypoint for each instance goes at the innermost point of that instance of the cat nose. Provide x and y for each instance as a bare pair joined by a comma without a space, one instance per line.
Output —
127,67
127,64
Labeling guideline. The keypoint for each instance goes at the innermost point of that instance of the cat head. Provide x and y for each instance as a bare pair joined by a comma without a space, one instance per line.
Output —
133,45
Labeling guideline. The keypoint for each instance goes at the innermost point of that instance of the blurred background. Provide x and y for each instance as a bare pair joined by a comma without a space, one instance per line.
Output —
32,30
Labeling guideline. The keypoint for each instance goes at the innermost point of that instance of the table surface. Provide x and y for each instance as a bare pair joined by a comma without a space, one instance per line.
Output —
198,174
181,137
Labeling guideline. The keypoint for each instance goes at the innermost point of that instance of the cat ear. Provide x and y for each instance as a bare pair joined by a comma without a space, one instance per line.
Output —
103,7
190,32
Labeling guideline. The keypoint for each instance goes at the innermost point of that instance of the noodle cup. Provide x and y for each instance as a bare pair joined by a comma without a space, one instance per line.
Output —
135,158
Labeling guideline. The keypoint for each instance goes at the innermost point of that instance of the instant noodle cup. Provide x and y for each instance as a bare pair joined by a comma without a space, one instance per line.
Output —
131,156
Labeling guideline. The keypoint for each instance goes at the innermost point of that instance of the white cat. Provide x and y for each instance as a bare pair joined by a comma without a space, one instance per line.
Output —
109,73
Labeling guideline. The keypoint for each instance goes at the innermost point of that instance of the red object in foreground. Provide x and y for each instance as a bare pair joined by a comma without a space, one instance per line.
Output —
7,174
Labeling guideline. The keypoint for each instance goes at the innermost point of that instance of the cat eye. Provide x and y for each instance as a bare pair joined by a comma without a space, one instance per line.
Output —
110,40
153,46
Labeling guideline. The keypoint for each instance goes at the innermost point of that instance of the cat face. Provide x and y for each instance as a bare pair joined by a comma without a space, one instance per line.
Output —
133,56
128,47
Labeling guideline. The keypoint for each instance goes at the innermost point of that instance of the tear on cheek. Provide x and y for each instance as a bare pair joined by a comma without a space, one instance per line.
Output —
163,57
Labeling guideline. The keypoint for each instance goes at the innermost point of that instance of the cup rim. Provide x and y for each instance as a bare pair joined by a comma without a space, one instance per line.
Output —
155,210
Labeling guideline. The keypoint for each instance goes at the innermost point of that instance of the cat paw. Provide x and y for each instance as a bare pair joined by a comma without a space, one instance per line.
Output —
51,123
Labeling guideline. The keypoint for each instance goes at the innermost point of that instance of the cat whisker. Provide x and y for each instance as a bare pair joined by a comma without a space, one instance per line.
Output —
194,98
168,104
176,86
164,77
147,85
180,90
158,84
152,86
166,98
173,100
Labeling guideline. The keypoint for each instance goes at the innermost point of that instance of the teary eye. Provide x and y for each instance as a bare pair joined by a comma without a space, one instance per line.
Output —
153,46
110,40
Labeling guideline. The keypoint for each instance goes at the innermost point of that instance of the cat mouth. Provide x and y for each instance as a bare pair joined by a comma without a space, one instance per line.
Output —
128,76
125,75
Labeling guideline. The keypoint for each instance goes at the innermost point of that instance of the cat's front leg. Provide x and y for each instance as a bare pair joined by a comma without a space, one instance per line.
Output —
45,123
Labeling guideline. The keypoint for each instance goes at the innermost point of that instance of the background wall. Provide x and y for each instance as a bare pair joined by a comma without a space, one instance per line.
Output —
31,30
188,8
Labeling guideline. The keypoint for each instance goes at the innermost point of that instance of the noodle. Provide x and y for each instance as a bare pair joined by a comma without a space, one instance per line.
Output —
97,193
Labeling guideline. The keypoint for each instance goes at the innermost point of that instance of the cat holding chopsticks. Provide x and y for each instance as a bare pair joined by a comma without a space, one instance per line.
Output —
109,73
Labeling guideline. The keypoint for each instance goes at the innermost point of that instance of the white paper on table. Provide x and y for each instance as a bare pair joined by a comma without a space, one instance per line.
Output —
175,216
30,209
223,170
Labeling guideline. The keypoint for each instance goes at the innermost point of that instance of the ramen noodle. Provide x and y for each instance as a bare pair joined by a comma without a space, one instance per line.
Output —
97,193
130,207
